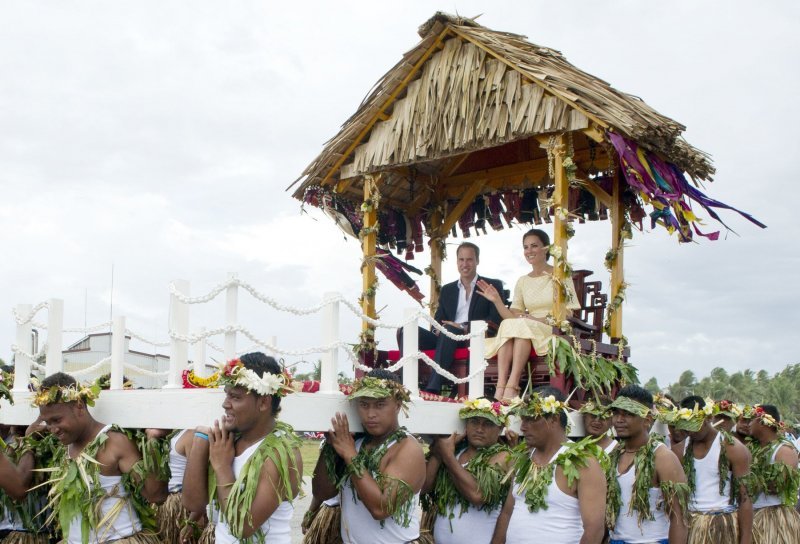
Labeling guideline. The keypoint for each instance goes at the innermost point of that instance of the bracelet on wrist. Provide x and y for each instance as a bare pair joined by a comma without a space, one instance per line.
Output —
204,436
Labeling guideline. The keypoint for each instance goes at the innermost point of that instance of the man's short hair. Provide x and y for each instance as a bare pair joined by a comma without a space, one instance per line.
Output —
59,379
261,364
383,374
772,410
637,393
474,248
692,400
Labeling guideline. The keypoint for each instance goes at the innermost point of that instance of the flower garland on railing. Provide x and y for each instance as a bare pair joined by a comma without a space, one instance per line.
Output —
193,381
613,306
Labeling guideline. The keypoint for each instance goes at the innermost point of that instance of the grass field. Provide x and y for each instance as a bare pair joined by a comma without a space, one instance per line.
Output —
310,452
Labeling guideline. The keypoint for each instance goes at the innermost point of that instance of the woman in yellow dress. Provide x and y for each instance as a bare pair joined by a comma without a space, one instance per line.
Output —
525,323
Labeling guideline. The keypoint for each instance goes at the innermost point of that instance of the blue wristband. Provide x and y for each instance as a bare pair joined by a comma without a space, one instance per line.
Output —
204,436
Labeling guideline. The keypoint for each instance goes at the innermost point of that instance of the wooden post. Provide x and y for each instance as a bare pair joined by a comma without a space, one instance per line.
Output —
22,363
368,243
55,327
617,272
231,307
329,361
436,243
411,346
476,359
560,199
117,351
199,357
178,323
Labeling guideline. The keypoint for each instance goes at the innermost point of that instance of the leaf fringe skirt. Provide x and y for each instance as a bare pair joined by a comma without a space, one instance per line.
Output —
326,528
776,525
714,528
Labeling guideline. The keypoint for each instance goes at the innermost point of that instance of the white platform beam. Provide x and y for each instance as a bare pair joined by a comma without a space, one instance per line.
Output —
188,408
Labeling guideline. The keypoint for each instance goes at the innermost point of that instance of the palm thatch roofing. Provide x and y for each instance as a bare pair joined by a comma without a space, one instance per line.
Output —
467,98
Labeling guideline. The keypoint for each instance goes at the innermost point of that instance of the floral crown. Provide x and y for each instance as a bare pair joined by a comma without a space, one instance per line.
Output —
727,408
64,393
193,381
690,419
235,374
537,406
6,383
595,409
495,412
766,419
380,388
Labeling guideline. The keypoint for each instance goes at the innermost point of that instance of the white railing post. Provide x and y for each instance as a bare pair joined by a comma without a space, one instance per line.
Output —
22,363
411,346
178,324
329,360
477,350
117,351
231,307
273,341
200,356
55,326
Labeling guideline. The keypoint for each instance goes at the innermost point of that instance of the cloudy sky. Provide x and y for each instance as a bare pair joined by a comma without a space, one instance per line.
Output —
159,137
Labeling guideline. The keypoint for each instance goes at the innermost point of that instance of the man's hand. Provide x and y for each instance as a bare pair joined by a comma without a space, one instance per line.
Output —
37,427
445,447
488,291
455,325
511,438
221,449
340,438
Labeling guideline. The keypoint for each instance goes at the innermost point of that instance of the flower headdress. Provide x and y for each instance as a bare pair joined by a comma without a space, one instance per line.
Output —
764,418
235,374
690,419
60,393
726,408
747,411
6,383
537,406
631,406
495,412
380,388
595,409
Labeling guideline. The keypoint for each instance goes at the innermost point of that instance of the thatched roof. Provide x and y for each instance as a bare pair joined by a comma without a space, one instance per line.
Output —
465,87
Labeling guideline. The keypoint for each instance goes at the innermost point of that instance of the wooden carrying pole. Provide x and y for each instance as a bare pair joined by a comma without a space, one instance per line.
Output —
560,199
368,243
617,272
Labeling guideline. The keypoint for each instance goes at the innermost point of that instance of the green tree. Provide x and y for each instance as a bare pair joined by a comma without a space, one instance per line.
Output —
652,385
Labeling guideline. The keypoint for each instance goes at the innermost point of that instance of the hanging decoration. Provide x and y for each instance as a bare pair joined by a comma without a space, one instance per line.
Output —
663,186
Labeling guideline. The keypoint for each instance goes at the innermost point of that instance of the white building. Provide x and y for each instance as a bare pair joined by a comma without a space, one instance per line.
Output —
96,347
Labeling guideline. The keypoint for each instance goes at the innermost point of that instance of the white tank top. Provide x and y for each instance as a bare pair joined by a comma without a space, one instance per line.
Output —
706,497
763,501
177,464
126,523
561,523
608,449
276,528
474,525
358,525
627,528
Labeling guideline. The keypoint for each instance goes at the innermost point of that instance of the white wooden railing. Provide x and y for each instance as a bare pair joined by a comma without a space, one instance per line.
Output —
172,406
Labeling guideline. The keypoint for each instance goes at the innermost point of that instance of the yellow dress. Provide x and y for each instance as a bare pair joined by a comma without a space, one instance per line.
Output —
534,295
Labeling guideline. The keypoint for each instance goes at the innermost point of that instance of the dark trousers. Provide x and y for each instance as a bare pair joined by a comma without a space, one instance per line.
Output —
445,350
